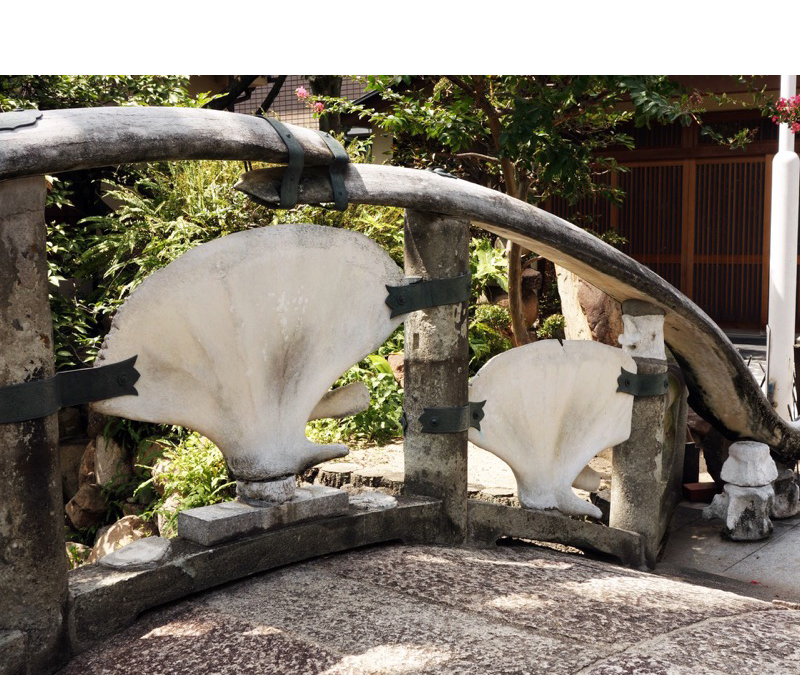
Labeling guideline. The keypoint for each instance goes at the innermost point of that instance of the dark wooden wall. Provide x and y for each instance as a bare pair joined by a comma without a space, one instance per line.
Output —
696,213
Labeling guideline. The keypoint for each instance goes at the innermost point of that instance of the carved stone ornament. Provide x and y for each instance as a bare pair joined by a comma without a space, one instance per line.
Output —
550,408
241,338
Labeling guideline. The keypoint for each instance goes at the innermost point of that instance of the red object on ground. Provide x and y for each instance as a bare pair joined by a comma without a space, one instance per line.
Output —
701,492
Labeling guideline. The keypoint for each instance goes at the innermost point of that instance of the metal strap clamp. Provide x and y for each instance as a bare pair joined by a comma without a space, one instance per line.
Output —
643,385
31,400
452,420
290,184
424,294
291,177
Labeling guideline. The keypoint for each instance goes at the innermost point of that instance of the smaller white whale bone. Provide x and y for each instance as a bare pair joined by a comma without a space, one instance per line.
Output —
550,408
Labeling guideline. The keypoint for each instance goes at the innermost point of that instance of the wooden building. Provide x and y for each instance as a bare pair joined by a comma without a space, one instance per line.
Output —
696,212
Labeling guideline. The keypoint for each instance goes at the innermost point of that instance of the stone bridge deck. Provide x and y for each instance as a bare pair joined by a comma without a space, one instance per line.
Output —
399,609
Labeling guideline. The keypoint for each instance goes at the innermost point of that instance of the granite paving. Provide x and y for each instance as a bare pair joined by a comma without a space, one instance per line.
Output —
399,609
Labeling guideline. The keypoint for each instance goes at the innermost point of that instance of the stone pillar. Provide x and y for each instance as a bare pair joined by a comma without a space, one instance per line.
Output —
33,566
645,482
436,371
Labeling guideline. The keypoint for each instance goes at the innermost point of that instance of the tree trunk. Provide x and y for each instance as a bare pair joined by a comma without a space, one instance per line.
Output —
519,325
327,85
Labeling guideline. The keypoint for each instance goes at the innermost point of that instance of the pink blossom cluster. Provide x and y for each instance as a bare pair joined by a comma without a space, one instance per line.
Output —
788,112
302,94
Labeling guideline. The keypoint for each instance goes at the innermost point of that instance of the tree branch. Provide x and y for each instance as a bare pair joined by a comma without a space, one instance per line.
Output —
273,94
477,155
461,83
238,85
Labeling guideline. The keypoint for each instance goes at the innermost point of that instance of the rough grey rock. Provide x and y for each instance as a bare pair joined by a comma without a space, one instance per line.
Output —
787,495
125,531
140,554
12,653
589,313
87,507
86,474
70,423
371,499
111,461
70,456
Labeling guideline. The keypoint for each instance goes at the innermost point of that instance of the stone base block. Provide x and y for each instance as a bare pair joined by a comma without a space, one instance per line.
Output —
209,525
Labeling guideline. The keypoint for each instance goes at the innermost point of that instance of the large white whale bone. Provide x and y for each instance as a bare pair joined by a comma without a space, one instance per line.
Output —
550,408
241,338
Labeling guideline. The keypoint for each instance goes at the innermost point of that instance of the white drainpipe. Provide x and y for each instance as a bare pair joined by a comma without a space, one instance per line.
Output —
783,265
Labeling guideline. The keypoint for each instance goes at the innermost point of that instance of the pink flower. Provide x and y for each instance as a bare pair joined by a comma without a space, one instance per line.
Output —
301,93
795,127
319,106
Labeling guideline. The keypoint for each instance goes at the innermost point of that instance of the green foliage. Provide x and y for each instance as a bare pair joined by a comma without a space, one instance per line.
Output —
547,129
382,224
194,471
166,210
76,555
380,423
48,92
489,334
488,266
552,327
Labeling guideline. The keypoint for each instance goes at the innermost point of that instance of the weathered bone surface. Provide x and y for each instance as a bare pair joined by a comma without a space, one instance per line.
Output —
721,387
351,399
241,337
550,408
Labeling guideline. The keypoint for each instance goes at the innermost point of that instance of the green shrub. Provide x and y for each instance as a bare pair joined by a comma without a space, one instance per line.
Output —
192,470
552,327
489,334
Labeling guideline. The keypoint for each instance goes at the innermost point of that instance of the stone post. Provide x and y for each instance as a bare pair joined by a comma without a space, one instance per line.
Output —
33,566
646,469
436,371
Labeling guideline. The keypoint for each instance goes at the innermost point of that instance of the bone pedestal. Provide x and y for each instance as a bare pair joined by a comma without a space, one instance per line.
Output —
746,503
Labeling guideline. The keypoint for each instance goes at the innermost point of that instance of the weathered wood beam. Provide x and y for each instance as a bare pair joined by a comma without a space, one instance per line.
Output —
721,388
83,138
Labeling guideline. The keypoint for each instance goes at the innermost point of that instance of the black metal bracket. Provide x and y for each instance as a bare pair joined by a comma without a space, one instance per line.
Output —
290,184
643,385
425,294
19,118
31,400
452,420
336,170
